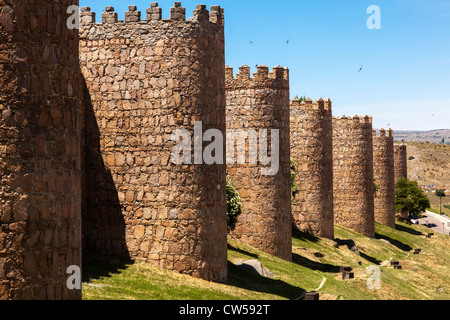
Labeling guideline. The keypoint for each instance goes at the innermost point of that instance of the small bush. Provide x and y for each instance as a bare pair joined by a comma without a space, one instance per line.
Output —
294,187
234,205
411,158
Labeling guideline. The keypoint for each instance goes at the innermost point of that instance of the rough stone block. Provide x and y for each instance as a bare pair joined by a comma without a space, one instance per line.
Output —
133,15
109,16
312,296
177,13
86,16
216,15
348,275
201,14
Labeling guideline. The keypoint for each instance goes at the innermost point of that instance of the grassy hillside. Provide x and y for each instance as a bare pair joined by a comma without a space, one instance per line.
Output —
431,164
424,276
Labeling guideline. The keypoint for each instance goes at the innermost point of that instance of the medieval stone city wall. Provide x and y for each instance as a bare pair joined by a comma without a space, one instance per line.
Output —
146,79
312,150
262,102
87,124
40,133
353,182
400,162
383,167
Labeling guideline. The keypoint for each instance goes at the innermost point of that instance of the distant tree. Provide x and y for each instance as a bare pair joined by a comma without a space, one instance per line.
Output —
411,158
410,200
441,194
301,98
443,141
234,205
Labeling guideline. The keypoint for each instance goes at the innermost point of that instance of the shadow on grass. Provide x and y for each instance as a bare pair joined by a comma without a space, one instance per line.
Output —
100,266
300,235
398,244
230,247
401,228
313,265
373,260
246,279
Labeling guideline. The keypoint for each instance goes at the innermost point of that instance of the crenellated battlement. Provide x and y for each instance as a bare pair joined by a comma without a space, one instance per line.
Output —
309,104
262,78
154,15
355,119
383,133
400,147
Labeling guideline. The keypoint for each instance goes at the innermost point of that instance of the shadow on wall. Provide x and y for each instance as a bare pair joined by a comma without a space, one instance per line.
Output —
103,223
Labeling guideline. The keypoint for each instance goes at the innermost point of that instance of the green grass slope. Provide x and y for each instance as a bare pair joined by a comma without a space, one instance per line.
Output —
315,264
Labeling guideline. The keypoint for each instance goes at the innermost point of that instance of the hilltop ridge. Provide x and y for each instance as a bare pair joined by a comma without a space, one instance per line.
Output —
431,136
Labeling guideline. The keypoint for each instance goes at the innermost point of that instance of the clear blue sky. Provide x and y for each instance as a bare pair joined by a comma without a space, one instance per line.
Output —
405,81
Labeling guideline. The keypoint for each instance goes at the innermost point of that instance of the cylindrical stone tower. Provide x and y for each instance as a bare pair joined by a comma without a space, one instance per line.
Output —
40,131
258,120
148,81
353,174
400,162
312,150
383,167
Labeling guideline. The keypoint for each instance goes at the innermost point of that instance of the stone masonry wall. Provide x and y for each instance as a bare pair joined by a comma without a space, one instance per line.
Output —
400,162
383,166
40,163
312,150
353,183
261,102
146,79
